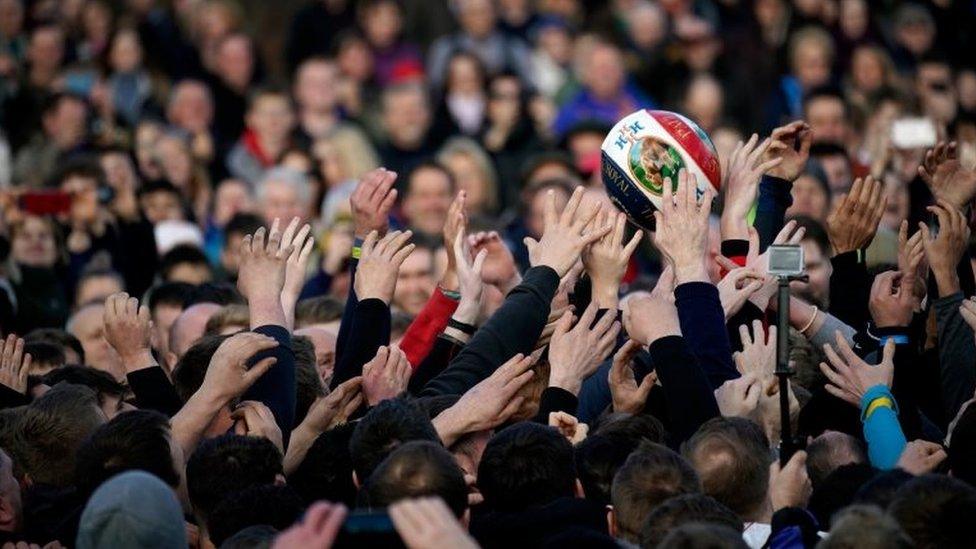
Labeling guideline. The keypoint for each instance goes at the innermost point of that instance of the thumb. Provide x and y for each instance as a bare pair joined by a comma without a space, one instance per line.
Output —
479,262
888,355
530,243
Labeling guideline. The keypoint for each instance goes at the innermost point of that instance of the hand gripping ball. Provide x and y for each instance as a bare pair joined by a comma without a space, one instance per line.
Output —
647,148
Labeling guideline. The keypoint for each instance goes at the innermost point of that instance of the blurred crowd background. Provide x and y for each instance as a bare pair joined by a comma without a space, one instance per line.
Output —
147,128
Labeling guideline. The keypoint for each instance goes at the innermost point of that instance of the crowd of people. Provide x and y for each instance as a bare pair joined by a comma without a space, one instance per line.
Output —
371,292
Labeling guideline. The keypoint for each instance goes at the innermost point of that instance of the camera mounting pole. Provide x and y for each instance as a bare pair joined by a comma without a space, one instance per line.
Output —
788,446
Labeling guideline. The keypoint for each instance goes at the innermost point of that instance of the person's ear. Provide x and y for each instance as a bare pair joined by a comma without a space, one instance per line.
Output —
355,480
579,489
611,522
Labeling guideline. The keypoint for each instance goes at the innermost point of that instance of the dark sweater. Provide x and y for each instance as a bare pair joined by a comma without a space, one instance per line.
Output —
276,388
688,394
154,391
775,198
703,325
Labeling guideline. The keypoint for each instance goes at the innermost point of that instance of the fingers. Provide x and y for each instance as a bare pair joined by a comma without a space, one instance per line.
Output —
569,212
289,235
784,234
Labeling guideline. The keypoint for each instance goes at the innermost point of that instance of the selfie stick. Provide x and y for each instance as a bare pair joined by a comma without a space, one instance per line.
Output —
787,445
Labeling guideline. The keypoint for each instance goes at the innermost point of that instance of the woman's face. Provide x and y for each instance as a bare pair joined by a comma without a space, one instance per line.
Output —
174,158
464,77
331,166
33,244
126,53
867,70
809,198
469,178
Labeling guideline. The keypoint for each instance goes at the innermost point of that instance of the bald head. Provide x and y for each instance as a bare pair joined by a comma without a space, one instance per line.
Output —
324,342
189,327
88,326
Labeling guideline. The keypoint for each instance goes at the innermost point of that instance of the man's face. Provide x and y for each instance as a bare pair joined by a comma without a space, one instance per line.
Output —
838,171
809,199
324,342
819,269
191,273
605,73
477,17
191,109
415,281
315,87
46,48
161,206
427,201
271,117
826,118
96,289
235,63
811,64
65,125
88,327
163,317
281,201
406,118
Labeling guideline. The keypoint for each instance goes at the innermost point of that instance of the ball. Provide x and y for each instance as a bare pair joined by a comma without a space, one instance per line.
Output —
647,148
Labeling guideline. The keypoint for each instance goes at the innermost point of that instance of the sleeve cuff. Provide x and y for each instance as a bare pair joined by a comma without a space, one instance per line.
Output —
848,259
873,393
734,249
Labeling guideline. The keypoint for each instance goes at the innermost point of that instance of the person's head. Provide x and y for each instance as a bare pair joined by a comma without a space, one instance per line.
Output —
11,505
836,164
320,311
816,259
914,28
237,228
381,21
526,465
45,49
64,119
477,17
315,86
308,383
270,114
383,429
685,509
11,17
82,179
732,457
134,440
415,278
119,170
108,391
45,356
406,115
473,172
88,326
221,466
935,511
284,193
704,101
74,352
228,320
235,62
324,344
95,285
185,263
652,474
703,536
34,242
837,490
166,302
50,431
160,200
811,194
190,106
829,451
535,197
265,504
189,327
871,68
125,52
171,152
864,527
416,469
811,57
598,458
189,371
326,472
603,71
428,196
826,112
134,508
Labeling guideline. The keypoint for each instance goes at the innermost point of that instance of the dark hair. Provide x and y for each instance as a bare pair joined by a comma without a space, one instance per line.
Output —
174,294
326,471
416,469
242,224
430,165
829,451
837,490
308,384
317,310
97,380
732,457
936,511
598,458
160,186
91,274
220,293
825,92
526,465
652,474
826,148
227,464
864,527
45,353
685,509
696,535
192,367
266,504
263,91
179,255
385,427
962,447
261,536
881,489
57,337
139,439
85,167
52,429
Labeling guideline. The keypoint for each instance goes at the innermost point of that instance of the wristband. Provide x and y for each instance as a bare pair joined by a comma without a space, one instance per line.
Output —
880,402
451,294
899,339
357,252
461,326
816,311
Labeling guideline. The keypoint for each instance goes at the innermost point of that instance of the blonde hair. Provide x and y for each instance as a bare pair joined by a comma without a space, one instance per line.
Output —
471,149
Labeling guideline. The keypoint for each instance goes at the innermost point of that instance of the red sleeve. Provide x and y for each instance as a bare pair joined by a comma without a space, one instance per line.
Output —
423,331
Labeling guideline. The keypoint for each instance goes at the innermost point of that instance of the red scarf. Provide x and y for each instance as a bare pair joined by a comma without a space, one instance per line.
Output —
253,146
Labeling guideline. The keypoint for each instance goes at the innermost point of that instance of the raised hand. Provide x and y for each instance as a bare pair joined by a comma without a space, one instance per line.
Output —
850,377
500,270
790,143
334,408
386,375
944,251
790,486
946,177
911,255
228,375
565,235
652,317
575,352
300,244
742,185
470,282
261,275
737,287
254,419
569,426
14,364
628,397
892,301
606,259
318,528
454,226
427,523
372,201
682,229
853,223
489,403
128,329
758,354
739,397
921,456
379,263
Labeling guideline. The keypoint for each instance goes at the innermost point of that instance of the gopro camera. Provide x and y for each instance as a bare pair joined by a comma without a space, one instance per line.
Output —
785,260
